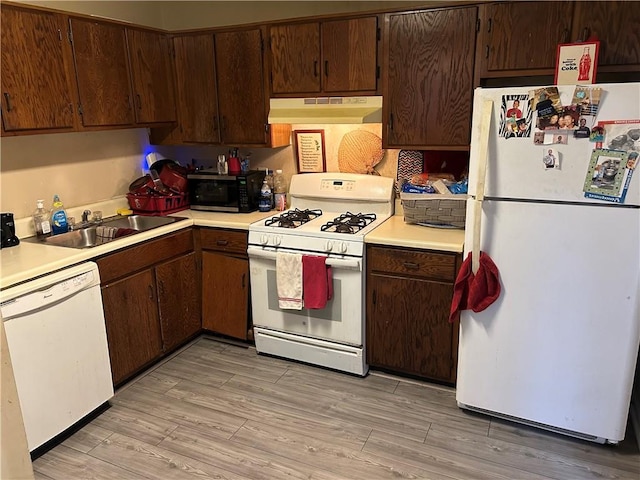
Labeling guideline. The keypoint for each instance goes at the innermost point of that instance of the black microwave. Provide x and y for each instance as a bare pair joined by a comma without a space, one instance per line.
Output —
210,191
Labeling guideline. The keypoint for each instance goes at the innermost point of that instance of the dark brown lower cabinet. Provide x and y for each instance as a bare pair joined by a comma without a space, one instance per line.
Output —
178,300
151,300
133,327
409,295
225,282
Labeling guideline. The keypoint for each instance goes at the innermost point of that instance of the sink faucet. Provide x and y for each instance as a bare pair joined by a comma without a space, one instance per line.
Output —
85,216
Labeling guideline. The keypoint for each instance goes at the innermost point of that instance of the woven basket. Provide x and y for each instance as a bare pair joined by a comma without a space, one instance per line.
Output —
434,209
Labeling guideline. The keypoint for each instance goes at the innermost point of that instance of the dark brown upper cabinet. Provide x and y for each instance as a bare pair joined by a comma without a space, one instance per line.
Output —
295,58
102,72
349,51
615,24
428,81
520,39
36,78
221,90
196,88
338,56
151,61
242,101
522,36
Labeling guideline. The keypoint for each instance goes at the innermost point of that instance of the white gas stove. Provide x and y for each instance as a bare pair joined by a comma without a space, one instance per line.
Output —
330,215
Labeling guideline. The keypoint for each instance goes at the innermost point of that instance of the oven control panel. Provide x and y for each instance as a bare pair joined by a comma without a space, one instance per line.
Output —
337,185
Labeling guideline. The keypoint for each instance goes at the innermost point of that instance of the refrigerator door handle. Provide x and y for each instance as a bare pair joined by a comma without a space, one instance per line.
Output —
485,124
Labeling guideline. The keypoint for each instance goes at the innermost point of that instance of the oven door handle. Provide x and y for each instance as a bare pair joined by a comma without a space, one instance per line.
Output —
348,263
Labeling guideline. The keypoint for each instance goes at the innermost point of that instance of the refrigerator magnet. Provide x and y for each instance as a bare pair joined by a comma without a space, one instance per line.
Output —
550,159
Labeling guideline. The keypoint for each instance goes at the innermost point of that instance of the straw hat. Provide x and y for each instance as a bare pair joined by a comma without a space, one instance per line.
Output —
359,152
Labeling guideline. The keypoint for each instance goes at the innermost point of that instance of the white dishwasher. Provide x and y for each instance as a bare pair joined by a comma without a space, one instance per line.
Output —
58,344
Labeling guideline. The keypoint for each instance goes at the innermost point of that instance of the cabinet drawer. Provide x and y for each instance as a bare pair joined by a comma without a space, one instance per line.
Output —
144,255
231,241
436,266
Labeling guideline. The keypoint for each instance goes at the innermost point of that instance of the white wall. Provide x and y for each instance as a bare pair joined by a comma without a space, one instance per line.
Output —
82,168
184,15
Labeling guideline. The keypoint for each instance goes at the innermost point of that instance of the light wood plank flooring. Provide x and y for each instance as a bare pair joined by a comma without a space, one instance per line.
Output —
221,411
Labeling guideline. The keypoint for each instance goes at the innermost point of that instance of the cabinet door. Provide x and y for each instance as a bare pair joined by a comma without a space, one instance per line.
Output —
615,24
102,71
295,58
178,300
225,294
35,82
243,104
522,35
429,83
196,88
133,327
407,326
349,51
152,74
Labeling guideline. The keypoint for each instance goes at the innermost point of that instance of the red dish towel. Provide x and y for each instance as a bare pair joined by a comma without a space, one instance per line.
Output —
317,286
475,292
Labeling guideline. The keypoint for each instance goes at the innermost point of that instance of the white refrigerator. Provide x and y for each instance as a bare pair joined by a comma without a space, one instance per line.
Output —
558,348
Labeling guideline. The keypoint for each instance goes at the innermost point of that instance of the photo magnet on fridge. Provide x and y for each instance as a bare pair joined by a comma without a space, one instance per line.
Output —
515,116
607,176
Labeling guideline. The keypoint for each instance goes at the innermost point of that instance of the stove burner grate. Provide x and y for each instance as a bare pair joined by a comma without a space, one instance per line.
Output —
293,218
349,223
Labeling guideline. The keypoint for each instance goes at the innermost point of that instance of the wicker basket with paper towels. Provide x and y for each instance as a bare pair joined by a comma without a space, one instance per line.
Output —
443,210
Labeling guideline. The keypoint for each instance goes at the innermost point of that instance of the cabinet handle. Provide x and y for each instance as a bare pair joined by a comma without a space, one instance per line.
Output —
7,99
373,297
326,68
161,285
139,101
243,282
128,100
222,243
486,51
150,292
391,121
315,68
585,32
411,265
489,25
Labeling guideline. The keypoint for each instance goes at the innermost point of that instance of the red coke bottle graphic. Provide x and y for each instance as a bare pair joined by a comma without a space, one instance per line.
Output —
585,65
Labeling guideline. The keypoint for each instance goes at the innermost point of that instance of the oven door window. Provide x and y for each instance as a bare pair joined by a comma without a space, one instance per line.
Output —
342,320
214,193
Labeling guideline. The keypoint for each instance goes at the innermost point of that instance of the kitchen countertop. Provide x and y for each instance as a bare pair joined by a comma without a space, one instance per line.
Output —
29,260
398,233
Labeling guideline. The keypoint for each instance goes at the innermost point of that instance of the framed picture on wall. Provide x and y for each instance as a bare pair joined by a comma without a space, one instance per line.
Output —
310,152
576,63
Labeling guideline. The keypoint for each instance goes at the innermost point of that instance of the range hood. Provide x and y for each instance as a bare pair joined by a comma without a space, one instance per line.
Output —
326,110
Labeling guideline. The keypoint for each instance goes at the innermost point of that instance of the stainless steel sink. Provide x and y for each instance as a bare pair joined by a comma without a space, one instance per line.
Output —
82,238
140,222
88,237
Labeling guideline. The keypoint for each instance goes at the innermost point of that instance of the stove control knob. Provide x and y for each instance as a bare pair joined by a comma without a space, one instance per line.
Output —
343,247
264,239
328,246
277,240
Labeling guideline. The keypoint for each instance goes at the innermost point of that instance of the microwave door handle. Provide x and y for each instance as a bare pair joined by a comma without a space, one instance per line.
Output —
342,263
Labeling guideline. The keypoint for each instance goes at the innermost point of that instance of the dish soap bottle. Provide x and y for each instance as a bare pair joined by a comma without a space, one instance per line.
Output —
58,217
41,221
264,202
